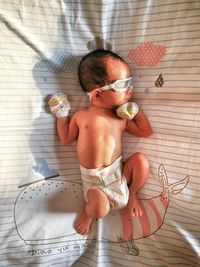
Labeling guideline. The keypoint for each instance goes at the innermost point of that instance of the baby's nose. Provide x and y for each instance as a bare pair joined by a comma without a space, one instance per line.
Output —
129,90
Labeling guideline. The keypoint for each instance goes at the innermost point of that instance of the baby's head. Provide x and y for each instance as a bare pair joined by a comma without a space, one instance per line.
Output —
98,68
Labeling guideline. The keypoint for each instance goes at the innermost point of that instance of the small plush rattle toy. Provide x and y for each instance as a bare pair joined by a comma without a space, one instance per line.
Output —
59,105
127,110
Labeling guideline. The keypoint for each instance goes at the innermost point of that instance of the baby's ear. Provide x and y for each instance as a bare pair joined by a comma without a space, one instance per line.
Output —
97,94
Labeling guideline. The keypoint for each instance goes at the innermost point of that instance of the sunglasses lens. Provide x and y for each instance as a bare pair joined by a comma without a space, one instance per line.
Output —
123,85
130,83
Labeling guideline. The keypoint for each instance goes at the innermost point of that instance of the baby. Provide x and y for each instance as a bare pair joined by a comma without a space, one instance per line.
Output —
108,182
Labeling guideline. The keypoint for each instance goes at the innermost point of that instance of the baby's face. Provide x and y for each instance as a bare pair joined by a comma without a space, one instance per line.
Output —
117,70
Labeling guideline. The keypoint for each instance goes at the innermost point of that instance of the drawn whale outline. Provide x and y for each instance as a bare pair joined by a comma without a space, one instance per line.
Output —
133,228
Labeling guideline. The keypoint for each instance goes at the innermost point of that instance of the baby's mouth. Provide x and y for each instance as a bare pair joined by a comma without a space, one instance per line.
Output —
128,98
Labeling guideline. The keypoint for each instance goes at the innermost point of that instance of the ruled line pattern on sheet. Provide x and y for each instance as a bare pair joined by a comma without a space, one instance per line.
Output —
36,30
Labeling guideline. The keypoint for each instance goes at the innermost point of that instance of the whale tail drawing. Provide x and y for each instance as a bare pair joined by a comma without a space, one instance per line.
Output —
174,188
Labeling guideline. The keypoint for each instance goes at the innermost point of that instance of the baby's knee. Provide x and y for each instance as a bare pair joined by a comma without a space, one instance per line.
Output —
98,205
97,210
141,159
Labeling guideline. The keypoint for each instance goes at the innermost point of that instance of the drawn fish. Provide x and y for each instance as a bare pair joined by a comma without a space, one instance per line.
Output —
45,213
154,210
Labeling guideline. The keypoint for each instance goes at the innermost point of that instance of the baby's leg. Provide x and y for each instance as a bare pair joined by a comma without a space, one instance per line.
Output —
98,206
135,170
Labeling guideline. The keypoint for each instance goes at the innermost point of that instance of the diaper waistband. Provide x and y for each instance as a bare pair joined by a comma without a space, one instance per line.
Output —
103,170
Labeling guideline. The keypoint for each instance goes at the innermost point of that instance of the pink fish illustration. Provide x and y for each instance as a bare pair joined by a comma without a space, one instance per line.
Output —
134,228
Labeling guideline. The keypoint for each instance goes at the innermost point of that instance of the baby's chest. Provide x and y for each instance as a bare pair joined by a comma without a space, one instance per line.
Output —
102,125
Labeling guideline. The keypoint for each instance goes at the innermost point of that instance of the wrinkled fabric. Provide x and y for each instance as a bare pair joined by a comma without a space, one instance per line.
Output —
41,195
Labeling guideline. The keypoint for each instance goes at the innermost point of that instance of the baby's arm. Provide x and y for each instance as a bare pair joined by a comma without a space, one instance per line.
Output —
67,129
140,125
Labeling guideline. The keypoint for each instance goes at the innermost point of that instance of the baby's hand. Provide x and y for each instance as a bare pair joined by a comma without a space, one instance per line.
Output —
59,105
127,110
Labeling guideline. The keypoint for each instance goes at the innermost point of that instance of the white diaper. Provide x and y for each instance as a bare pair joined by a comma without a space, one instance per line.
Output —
108,179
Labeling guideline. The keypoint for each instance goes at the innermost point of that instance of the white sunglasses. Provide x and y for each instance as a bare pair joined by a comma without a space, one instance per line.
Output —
119,85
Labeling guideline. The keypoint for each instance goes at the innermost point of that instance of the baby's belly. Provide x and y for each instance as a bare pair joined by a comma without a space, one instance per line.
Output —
98,156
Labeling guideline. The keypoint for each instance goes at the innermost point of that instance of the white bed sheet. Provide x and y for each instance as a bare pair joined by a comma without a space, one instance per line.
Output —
40,186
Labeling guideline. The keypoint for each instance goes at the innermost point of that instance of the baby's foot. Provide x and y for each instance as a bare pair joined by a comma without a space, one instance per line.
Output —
134,206
83,223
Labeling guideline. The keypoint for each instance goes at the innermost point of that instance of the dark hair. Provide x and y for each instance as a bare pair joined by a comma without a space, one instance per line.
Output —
92,70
